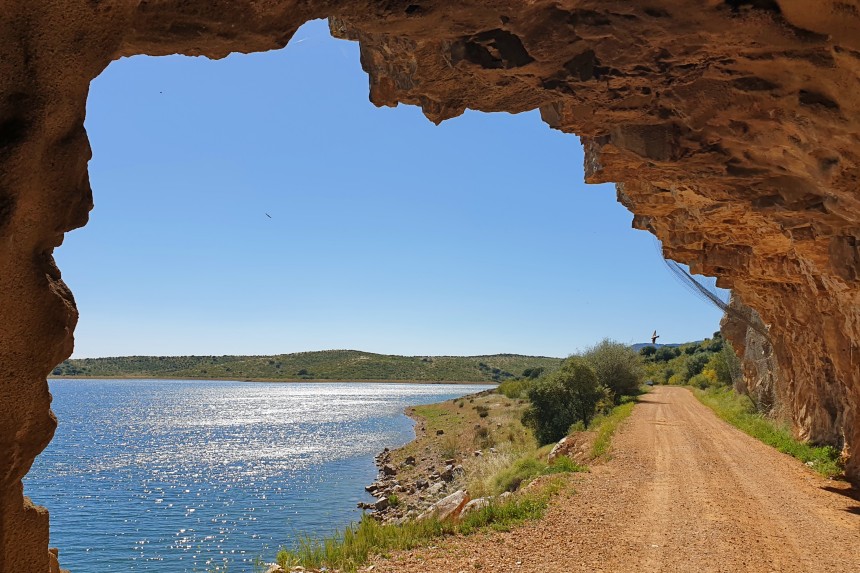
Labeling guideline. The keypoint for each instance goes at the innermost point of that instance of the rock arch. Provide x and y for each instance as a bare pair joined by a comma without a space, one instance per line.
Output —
731,128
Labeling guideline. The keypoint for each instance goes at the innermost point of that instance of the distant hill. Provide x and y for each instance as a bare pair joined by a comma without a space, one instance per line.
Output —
322,365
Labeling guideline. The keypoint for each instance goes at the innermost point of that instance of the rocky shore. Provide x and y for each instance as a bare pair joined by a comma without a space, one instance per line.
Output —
419,480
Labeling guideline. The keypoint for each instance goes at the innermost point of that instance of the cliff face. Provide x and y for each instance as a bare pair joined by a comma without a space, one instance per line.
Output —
759,376
730,126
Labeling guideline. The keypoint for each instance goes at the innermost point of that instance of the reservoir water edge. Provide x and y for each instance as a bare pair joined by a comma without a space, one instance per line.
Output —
181,476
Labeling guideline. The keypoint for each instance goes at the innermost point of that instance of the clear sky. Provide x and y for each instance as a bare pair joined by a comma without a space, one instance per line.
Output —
387,233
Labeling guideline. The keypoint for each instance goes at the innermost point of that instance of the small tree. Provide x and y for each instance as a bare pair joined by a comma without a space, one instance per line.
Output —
696,363
648,351
560,400
533,372
617,367
666,353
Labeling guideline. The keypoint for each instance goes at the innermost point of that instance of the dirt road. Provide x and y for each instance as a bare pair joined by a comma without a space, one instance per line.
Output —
684,492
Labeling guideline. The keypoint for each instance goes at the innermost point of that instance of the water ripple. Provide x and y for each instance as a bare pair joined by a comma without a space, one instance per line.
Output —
182,476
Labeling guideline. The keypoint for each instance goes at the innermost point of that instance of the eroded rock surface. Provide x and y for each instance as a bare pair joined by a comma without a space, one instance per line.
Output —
730,126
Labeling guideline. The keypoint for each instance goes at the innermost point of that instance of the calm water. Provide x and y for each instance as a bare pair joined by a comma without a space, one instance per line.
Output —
180,476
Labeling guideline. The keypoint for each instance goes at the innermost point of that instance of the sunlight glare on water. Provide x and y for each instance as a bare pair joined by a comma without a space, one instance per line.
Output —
181,476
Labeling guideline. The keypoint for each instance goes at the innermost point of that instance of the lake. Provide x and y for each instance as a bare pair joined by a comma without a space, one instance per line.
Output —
180,476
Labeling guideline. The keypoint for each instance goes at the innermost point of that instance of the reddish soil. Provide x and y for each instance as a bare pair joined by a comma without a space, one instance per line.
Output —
683,492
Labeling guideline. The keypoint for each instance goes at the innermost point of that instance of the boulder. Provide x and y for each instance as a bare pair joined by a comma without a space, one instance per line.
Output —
557,449
448,507
436,488
389,470
381,504
475,505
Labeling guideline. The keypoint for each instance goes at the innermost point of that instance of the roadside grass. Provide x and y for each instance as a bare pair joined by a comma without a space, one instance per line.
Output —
739,411
604,426
531,466
348,549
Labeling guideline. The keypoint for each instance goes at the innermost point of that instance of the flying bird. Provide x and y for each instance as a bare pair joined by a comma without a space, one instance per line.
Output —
654,337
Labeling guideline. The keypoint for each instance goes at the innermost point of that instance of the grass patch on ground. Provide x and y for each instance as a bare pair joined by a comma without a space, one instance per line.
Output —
739,411
605,425
529,467
348,549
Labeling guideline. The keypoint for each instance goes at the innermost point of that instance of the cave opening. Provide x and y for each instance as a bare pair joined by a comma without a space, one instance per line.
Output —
362,192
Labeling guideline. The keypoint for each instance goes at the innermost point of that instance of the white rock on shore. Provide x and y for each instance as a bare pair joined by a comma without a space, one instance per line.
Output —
448,507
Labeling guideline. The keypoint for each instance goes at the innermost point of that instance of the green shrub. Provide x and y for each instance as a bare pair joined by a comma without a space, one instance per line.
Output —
515,389
617,367
523,470
700,381
648,351
569,395
563,464
534,372
666,353
696,363
723,363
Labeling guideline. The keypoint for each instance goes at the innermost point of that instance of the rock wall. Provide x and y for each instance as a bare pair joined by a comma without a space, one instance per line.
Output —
730,126
759,373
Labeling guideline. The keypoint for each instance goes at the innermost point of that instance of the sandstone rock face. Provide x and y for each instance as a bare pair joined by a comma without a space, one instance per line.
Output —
759,378
731,128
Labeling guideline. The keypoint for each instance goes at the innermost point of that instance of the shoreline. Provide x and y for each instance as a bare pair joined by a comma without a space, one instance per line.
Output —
277,380
421,472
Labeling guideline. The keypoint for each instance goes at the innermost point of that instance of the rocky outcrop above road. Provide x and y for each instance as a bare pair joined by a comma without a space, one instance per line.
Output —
730,126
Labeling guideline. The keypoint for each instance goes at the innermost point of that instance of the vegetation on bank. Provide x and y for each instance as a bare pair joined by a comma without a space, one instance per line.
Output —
350,548
323,365
739,411
584,386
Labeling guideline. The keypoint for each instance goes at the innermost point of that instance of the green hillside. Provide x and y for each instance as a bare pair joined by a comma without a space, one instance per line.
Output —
323,365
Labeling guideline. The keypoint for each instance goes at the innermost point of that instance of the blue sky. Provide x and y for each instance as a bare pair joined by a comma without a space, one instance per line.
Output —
387,233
